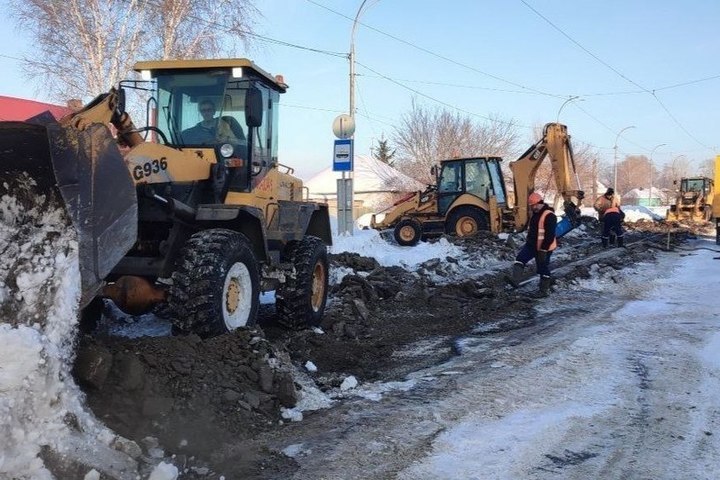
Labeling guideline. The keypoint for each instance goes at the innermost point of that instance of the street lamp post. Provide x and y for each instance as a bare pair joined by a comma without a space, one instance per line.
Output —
651,172
345,193
570,99
615,161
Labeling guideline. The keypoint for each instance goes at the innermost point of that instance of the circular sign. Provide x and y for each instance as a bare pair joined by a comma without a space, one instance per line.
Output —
343,126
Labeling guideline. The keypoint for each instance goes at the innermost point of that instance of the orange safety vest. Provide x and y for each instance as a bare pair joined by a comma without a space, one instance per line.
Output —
541,232
612,210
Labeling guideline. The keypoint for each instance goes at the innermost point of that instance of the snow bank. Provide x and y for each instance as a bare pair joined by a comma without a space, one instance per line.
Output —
369,243
40,284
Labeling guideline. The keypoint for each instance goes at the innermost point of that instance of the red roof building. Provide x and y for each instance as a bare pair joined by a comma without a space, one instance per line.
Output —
20,109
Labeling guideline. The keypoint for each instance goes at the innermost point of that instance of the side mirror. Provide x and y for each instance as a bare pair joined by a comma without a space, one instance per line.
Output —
674,182
121,100
433,171
253,107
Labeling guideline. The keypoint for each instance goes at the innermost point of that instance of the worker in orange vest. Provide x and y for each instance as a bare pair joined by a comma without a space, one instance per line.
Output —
603,202
539,244
612,223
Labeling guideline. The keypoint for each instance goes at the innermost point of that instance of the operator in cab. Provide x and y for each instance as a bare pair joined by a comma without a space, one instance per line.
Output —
211,130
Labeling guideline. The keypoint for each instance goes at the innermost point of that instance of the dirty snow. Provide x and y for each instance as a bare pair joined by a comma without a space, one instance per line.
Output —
670,337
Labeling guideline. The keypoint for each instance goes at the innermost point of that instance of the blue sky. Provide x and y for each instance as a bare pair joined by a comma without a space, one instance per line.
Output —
485,58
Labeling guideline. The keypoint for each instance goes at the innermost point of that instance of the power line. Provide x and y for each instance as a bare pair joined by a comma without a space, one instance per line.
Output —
662,105
583,48
262,38
437,55
418,92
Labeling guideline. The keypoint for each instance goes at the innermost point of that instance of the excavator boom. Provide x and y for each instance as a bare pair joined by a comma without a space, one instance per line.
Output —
554,143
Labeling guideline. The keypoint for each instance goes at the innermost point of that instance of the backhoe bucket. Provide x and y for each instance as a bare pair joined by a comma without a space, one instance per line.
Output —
51,166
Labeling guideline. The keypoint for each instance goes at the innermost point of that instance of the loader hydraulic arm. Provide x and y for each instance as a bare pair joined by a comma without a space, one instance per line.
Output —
555,142
104,109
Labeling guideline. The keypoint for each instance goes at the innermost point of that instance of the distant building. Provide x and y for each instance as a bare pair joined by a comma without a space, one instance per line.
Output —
376,185
646,197
19,109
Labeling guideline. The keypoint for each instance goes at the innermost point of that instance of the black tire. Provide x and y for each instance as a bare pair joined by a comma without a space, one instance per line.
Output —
467,221
216,285
407,232
300,300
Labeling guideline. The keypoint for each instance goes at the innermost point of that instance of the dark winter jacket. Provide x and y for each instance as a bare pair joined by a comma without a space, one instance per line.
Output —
550,224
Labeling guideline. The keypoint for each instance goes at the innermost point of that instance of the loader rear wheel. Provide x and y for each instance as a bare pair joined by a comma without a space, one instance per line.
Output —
300,301
467,221
407,232
216,285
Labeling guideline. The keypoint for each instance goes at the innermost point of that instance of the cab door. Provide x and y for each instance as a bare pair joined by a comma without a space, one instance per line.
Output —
451,184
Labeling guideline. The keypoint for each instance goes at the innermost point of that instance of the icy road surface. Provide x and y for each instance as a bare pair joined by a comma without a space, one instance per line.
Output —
614,381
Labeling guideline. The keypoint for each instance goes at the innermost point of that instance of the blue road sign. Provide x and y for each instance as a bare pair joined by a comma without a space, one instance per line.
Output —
343,155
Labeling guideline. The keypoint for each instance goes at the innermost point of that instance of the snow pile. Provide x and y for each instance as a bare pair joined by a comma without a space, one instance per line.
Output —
369,243
39,303
634,213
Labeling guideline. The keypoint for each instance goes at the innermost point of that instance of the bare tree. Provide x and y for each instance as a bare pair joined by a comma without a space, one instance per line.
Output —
425,136
196,28
678,168
87,46
707,169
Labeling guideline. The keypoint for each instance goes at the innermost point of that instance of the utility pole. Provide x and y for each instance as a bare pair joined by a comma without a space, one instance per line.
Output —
615,161
651,172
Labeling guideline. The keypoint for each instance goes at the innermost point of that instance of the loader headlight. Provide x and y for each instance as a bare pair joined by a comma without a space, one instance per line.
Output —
226,150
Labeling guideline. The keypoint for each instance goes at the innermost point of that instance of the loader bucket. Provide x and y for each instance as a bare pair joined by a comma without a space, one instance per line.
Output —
52,166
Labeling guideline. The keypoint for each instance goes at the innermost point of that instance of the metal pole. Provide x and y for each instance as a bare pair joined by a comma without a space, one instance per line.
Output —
574,97
348,197
615,162
651,172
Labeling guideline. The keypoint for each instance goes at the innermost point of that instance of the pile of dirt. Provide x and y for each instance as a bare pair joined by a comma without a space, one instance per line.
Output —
193,395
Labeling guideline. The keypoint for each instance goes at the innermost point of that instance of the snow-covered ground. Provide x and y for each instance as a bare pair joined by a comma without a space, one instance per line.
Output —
37,394
618,379
631,395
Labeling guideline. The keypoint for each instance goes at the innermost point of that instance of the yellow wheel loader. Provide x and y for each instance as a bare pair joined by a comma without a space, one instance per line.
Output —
193,209
694,200
470,194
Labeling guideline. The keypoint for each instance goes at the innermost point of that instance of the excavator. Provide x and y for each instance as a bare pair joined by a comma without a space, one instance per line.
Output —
192,211
470,194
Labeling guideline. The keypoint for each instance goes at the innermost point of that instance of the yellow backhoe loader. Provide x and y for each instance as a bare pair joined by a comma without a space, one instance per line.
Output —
693,200
470,194
192,209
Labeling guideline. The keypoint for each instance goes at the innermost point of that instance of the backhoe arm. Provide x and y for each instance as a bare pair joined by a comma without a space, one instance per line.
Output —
555,142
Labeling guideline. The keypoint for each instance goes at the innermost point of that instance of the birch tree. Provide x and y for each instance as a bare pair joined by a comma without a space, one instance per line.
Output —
83,47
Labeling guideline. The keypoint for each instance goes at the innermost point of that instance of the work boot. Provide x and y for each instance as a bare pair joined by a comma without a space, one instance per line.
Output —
545,284
604,242
516,274
620,242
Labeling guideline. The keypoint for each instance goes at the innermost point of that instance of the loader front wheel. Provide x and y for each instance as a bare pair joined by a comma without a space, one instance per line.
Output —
216,285
300,300
467,221
407,232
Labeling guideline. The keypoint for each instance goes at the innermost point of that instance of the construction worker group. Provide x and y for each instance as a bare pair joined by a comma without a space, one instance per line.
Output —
541,237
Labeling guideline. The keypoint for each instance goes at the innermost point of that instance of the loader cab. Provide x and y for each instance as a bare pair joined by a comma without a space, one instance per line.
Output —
229,106
480,177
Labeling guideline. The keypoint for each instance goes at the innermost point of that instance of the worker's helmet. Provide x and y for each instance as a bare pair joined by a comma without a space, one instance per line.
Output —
534,198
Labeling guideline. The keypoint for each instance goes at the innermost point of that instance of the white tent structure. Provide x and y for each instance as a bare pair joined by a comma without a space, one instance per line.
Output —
375,184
